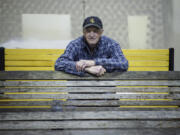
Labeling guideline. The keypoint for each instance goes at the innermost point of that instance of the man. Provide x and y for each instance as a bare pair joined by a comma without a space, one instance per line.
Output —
92,52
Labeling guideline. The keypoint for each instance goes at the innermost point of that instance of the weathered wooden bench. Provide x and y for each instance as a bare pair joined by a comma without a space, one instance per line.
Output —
44,59
51,102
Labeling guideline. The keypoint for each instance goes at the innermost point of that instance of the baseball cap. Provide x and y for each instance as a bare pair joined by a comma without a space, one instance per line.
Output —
93,21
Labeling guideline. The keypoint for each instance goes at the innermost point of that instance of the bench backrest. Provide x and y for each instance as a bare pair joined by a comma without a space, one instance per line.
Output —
146,89
45,102
44,59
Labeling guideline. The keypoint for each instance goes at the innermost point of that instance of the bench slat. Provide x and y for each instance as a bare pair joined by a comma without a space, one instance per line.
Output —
91,89
148,68
147,57
34,51
42,63
92,103
148,63
108,115
91,83
94,124
29,63
52,69
30,69
58,51
92,96
86,109
145,51
151,131
42,57
48,75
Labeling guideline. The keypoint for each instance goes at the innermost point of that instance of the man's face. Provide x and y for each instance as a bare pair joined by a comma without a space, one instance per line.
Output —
92,35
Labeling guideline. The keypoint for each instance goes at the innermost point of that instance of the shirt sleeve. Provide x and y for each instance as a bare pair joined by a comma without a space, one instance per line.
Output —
66,62
116,61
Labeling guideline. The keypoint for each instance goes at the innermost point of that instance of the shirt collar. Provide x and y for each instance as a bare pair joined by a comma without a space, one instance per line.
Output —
85,44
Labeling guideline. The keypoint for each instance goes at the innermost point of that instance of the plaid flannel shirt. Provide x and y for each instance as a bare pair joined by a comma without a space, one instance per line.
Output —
107,53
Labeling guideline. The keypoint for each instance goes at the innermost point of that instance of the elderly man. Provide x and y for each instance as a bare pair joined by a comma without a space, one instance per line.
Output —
92,52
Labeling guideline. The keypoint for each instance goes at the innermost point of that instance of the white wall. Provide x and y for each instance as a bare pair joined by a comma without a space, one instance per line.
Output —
176,32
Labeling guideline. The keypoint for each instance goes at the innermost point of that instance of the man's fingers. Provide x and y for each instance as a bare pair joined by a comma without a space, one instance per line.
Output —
84,65
101,71
80,65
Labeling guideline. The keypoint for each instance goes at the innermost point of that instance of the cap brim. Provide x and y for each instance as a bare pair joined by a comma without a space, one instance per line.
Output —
95,25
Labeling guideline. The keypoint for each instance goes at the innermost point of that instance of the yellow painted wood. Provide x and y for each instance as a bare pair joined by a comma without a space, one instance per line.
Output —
145,51
148,57
33,51
44,59
29,63
148,63
19,57
52,69
51,63
53,57
148,69
29,68
57,51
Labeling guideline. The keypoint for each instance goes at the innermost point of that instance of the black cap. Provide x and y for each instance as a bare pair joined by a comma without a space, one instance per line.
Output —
93,21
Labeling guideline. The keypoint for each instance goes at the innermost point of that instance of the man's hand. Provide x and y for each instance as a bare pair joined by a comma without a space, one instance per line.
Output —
96,70
82,64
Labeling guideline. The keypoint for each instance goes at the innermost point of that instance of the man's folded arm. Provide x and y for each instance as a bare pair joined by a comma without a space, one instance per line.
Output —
66,61
67,66
116,62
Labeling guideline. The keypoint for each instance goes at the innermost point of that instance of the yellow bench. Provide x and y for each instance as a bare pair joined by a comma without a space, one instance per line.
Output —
44,59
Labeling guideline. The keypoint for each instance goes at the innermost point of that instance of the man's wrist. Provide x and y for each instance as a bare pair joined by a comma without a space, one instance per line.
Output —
87,69
92,63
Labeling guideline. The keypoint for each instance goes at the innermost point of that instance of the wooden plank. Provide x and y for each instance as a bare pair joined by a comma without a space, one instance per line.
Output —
29,68
90,103
29,63
57,51
146,51
91,83
157,57
52,68
148,63
14,125
91,89
151,131
100,115
34,51
91,96
47,75
85,109
144,68
31,57
55,56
